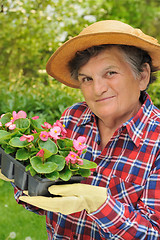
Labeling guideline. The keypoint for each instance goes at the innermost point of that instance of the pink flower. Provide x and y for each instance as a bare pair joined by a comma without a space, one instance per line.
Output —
67,159
20,114
78,144
10,125
40,153
35,117
0,124
2,116
29,138
73,158
80,161
34,131
46,125
63,130
44,136
55,132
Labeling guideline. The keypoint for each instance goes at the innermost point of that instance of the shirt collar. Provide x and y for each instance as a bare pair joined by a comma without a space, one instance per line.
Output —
136,125
86,117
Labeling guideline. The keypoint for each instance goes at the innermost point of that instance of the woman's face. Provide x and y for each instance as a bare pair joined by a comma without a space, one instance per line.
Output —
110,87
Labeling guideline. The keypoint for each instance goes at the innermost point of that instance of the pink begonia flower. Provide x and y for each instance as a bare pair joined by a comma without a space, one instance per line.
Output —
29,138
0,124
35,117
44,136
2,115
78,144
46,125
80,161
20,114
40,153
55,132
63,130
34,131
10,125
73,158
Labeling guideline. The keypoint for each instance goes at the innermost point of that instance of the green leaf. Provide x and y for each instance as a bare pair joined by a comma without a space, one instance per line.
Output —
16,142
22,124
64,153
40,167
88,164
73,167
36,124
28,167
9,150
65,144
65,174
4,135
22,154
49,147
53,176
59,160
6,118
84,172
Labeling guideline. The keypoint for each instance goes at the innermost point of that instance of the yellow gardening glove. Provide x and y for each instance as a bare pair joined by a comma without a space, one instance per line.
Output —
5,178
75,198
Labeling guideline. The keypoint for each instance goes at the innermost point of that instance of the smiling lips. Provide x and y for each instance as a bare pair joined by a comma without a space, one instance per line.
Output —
104,99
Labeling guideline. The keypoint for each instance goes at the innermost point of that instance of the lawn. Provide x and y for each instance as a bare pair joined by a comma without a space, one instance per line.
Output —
17,222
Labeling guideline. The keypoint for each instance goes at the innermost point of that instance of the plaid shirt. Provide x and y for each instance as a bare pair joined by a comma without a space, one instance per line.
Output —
129,167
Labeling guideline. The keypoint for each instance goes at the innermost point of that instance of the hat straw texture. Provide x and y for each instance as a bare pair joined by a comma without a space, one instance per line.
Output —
103,32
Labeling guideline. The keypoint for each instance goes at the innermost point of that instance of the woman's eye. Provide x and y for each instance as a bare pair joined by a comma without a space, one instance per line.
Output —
86,79
111,73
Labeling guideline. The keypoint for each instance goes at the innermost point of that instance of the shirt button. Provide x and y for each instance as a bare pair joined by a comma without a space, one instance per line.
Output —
95,174
75,236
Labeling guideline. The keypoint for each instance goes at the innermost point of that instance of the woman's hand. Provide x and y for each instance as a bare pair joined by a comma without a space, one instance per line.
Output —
73,198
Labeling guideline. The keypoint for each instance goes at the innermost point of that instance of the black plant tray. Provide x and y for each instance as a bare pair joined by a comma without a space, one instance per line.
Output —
36,185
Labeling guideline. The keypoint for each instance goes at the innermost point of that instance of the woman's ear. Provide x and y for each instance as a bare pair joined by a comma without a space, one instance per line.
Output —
144,76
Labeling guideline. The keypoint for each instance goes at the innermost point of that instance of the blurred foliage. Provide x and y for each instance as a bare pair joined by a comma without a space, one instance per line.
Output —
48,102
32,30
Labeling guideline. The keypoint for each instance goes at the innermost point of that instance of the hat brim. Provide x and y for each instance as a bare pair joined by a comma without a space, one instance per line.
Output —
57,65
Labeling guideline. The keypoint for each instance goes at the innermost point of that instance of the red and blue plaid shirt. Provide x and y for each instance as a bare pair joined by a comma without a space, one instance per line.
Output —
129,167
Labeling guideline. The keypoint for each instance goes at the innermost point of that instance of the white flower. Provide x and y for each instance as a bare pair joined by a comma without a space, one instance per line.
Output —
41,71
33,11
49,18
13,10
63,36
90,18
19,3
28,238
79,10
12,235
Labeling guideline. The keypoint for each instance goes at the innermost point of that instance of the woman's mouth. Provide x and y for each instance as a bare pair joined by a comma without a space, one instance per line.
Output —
104,99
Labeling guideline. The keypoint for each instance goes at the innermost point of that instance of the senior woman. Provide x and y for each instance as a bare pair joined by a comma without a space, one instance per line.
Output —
113,64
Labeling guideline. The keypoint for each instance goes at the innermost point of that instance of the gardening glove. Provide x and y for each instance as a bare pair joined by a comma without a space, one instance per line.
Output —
5,178
73,198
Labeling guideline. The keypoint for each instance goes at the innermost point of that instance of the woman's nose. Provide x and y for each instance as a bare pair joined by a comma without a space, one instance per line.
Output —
100,86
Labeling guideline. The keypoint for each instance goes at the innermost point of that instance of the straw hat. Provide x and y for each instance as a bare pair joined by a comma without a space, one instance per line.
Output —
103,32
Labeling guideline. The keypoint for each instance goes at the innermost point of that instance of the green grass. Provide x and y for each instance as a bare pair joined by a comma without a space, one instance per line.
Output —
14,218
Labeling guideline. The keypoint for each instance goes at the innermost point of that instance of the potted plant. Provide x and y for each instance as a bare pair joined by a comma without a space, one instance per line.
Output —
34,150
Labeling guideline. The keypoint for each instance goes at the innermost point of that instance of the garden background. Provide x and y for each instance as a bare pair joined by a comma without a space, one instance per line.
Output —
30,31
